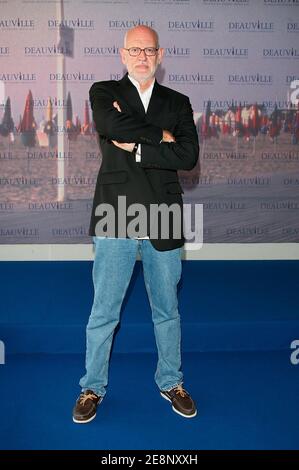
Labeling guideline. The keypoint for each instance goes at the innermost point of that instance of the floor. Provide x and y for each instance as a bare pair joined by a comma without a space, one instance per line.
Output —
246,400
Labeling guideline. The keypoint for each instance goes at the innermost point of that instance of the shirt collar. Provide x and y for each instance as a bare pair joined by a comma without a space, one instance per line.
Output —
136,84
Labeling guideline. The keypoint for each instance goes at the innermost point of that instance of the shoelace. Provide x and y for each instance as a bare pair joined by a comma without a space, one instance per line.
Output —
88,396
180,391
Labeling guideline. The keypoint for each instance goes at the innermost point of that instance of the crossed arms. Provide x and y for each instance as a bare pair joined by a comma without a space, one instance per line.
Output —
160,149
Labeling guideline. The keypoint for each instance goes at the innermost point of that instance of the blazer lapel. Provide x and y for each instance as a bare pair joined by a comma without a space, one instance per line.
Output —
156,104
131,95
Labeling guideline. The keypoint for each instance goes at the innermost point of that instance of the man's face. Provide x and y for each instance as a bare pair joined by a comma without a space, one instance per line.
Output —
142,67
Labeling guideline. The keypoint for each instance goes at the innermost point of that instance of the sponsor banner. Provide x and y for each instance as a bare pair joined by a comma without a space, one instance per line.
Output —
237,63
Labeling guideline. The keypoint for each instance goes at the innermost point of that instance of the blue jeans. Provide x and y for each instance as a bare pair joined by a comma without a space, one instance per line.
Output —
112,270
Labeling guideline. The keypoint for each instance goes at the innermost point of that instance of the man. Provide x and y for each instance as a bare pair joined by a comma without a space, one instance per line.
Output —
146,134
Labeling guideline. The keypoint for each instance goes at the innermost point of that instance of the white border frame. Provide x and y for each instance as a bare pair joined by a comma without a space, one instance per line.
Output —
209,251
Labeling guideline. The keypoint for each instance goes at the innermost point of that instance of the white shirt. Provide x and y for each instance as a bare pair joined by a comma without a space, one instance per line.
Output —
145,97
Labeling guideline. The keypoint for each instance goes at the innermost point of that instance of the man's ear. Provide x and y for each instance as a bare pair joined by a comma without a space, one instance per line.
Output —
122,55
160,54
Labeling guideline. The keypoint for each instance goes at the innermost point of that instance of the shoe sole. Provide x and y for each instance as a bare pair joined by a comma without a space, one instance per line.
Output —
80,421
176,411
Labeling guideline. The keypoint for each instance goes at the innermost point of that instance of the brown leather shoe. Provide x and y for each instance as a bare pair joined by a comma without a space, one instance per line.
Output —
86,407
181,401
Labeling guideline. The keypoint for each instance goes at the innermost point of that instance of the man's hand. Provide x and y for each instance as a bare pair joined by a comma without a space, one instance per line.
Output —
116,105
168,137
124,146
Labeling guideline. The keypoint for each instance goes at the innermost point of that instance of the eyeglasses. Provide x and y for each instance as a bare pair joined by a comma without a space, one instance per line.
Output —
135,51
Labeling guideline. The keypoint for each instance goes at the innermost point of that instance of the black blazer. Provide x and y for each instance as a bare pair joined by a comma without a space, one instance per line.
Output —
154,180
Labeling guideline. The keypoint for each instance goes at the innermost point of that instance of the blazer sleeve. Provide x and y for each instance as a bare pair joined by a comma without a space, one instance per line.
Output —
116,125
180,155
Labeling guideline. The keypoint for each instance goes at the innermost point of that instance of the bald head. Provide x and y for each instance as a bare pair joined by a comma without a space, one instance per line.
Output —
141,31
142,66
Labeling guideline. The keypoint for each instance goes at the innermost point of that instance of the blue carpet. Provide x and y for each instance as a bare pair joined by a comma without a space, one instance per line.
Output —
225,305
246,400
238,318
